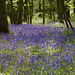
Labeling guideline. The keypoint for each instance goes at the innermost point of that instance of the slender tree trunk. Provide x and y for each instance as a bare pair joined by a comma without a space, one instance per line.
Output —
20,12
50,9
68,13
65,15
28,16
31,10
68,10
54,15
43,12
53,6
11,12
32,7
39,7
66,20
58,9
3,18
25,10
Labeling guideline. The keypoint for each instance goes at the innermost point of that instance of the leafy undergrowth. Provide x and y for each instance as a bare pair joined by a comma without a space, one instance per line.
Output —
37,50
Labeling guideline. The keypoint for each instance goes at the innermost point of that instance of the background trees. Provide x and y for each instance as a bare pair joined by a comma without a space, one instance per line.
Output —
20,11
28,8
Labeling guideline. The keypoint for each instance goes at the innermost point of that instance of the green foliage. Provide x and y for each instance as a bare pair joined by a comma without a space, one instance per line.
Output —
67,31
7,2
14,1
36,15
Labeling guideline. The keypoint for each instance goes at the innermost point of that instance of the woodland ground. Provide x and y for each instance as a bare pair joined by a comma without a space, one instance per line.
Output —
36,49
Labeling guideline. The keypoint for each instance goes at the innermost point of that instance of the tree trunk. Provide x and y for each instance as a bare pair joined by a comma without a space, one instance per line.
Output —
3,18
68,13
20,12
59,10
68,9
11,12
53,6
65,15
40,8
50,9
43,12
28,14
25,10
31,10
53,13
32,7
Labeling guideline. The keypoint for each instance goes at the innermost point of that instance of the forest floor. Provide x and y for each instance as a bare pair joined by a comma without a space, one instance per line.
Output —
53,23
37,49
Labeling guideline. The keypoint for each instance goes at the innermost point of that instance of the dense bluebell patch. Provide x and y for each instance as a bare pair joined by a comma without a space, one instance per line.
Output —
37,49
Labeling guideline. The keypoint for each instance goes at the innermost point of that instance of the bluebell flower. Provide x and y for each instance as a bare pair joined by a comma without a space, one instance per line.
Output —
52,72
27,71
47,73
49,67
10,59
37,58
61,63
71,59
43,70
71,69
66,65
74,51
20,70
15,64
35,71
53,64
27,53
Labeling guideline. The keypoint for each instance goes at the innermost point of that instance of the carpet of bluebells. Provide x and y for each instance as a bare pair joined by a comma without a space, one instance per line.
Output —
37,50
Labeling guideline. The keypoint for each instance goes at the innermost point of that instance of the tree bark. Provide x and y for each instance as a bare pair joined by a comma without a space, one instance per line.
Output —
59,10
11,12
53,6
43,12
3,18
65,15
31,10
50,9
40,8
20,12
25,10
68,9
